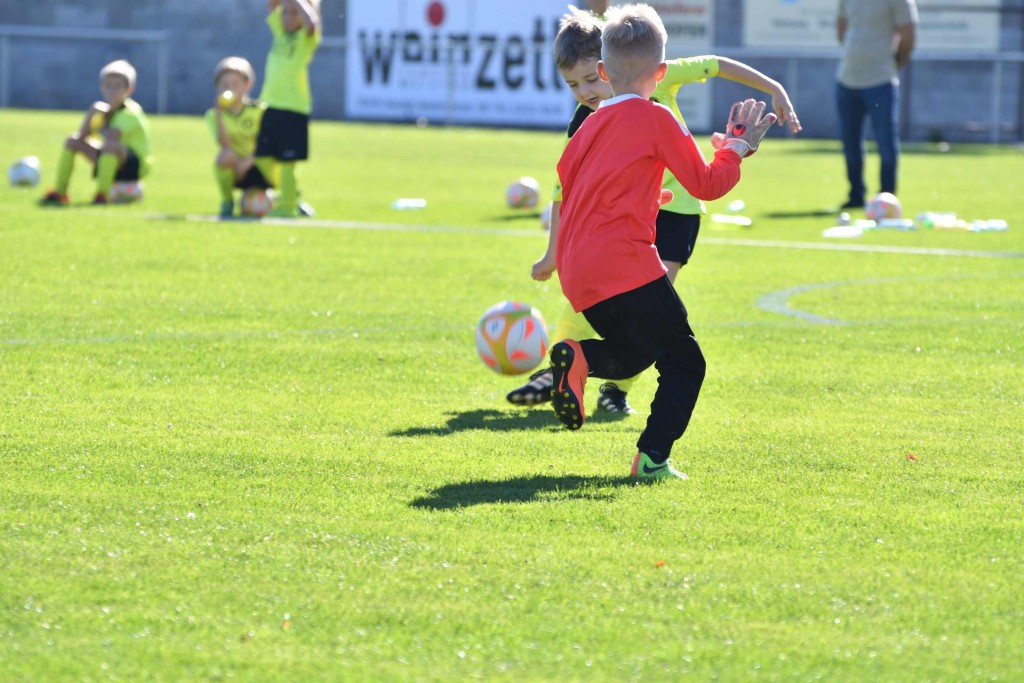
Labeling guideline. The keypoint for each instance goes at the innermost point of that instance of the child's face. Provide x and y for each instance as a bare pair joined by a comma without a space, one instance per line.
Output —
585,84
114,89
290,16
238,84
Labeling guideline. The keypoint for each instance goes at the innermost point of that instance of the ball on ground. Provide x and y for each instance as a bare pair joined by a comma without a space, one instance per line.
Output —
511,338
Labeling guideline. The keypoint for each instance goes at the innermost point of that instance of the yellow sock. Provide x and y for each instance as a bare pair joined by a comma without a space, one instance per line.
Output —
106,169
225,182
573,325
268,167
288,199
65,164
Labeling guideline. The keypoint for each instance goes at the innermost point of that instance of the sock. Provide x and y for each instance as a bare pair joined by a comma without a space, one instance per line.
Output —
656,457
106,169
65,164
268,167
225,182
288,199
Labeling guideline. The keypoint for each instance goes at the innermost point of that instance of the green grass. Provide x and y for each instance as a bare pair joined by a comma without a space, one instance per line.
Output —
268,451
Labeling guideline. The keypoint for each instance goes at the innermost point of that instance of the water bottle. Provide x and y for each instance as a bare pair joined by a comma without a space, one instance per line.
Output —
405,203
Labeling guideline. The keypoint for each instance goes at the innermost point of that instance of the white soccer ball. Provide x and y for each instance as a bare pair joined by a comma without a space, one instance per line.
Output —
523,193
125,192
24,172
256,203
883,205
511,338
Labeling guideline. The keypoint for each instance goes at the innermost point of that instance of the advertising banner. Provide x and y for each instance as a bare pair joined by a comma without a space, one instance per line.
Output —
971,25
470,62
690,25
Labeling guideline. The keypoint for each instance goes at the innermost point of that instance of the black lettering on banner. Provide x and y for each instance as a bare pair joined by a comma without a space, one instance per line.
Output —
483,82
376,55
412,47
515,55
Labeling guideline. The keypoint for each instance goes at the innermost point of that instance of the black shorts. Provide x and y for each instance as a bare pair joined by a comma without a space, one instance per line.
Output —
253,179
676,235
126,172
284,135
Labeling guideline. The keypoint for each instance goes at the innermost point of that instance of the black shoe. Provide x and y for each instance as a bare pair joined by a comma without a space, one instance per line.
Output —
537,390
613,400
853,204
306,210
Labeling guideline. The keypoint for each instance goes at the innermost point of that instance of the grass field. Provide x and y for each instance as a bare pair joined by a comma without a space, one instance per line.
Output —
268,451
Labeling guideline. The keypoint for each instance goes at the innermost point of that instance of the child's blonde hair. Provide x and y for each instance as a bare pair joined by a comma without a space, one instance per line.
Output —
578,38
633,42
119,68
238,65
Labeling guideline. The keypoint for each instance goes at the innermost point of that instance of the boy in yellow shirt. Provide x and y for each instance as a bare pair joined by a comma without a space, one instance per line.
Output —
284,131
234,121
114,137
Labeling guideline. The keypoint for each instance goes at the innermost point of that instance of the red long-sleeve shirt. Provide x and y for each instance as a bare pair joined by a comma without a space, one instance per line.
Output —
611,173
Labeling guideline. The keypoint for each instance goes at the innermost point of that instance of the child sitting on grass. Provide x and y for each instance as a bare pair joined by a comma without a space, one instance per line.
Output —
114,137
234,121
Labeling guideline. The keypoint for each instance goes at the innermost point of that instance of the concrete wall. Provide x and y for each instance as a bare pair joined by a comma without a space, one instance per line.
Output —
941,100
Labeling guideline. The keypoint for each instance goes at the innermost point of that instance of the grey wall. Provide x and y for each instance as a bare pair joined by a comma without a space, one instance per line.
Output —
948,100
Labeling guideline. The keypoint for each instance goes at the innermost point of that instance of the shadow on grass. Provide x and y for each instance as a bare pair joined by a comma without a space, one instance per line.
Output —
810,213
492,420
520,490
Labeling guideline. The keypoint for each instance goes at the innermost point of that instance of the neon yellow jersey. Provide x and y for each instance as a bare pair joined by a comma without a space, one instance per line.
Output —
286,74
241,128
680,72
134,127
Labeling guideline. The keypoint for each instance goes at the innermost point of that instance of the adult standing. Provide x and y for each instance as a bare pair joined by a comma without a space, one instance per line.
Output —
877,38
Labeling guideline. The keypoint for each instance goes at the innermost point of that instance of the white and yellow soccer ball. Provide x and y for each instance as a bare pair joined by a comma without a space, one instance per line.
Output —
125,192
883,205
24,172
511,338
256,203
523,193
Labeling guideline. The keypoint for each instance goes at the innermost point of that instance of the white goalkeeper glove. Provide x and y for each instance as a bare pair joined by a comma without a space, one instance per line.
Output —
747,125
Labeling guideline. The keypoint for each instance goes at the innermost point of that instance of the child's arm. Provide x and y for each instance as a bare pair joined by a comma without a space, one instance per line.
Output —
545,267
741,73
222,135
95,119
310,17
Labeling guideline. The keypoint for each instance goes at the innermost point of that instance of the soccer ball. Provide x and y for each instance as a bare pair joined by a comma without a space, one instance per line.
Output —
256,203
883,205
125,192
523,193
24,172
511,338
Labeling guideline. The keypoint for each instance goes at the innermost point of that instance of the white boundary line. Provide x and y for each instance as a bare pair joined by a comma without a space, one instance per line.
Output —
721,241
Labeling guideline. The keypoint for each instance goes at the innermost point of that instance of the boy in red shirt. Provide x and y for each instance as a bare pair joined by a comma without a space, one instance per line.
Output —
611,174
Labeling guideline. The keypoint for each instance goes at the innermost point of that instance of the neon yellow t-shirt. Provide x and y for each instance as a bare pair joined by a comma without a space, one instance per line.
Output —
286,75
134,126
680,72
241,128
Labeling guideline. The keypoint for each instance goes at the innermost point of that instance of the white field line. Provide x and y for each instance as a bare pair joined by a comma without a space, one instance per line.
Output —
723,241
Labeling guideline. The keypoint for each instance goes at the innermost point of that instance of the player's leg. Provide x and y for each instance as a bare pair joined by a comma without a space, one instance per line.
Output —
73,145
225,173
675,238
852,113
649,324
883,107
111,157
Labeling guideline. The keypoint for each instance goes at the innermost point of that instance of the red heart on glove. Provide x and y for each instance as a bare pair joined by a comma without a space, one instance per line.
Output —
739,129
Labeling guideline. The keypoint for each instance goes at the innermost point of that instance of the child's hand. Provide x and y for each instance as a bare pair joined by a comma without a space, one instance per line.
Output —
784,110
544,268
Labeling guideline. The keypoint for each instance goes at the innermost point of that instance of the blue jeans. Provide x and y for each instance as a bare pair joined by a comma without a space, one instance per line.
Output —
881,103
